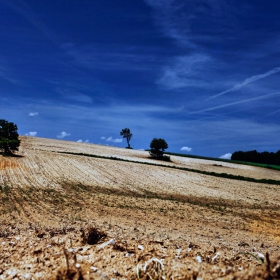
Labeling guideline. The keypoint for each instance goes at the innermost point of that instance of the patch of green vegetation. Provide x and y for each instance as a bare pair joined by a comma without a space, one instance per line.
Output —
221,175
275,167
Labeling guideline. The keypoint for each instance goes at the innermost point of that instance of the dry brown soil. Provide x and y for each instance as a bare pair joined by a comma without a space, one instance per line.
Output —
158,222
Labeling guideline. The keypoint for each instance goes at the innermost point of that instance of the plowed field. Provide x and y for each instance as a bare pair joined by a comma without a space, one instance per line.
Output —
161,222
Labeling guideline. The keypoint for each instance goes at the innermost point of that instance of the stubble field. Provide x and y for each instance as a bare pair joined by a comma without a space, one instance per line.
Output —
146,221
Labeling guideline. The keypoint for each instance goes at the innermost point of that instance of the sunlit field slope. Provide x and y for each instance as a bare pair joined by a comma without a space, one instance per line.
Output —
161,221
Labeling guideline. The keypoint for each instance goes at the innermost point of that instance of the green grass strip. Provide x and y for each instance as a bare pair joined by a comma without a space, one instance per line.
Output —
221,175
268,166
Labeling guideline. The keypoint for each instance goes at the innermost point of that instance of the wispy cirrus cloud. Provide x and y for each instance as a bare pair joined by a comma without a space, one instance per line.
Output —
265,96
177,22
6,73
76,96
126,58
270,114
248,81
185,71
169,18
183,20
28,14
74,92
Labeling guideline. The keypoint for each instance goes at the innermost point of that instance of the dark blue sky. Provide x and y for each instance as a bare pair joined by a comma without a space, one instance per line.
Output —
203,75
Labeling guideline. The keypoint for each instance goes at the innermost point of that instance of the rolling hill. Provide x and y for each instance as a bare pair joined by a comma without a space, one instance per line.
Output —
178,220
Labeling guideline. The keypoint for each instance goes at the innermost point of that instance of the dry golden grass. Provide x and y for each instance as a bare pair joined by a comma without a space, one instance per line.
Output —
162,221
7,163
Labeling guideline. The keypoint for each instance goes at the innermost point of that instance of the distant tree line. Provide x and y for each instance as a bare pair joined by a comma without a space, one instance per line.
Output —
254,156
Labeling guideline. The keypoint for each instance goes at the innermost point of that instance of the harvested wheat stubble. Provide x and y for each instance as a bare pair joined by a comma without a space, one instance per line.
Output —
149,222
60,253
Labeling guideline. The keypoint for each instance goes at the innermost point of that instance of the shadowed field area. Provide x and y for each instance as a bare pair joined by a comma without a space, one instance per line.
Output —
160,222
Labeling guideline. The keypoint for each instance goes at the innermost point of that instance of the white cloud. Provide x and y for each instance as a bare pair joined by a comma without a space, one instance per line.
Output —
117,140
31,133
33,114
111,139
187,149
63,134
81,141
226,156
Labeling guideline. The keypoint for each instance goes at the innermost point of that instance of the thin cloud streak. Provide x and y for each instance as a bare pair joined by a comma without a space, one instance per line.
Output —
247,81
4,73
269,114
236,103
26,12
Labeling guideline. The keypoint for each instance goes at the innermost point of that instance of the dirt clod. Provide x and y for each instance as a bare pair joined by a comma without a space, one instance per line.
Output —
92,235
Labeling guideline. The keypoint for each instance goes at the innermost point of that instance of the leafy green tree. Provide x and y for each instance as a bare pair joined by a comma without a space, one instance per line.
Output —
125,133
9,141
158,145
